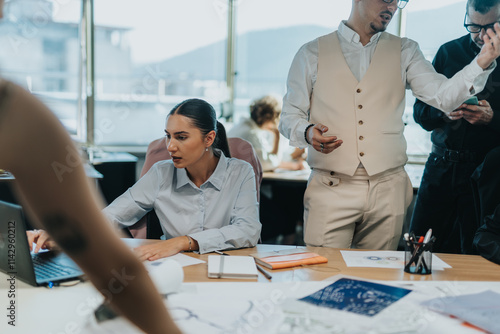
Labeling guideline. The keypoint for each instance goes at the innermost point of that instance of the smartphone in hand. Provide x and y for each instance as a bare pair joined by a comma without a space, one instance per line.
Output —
473,100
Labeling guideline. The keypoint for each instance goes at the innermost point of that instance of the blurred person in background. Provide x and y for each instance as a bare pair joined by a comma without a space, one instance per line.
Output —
261,130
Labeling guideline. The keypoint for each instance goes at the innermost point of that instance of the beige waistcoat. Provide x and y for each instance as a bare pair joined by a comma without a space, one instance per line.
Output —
365,115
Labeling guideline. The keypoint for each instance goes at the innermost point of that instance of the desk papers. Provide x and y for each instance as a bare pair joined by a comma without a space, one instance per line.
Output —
182,259
384,259
274,308
479,309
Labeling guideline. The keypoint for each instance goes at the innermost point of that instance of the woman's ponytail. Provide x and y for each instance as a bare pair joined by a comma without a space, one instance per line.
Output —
221,140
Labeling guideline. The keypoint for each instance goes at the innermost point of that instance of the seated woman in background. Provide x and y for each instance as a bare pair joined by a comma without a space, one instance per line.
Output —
204,199
261,130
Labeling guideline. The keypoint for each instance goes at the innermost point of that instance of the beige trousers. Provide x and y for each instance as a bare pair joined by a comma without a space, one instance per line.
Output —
357,211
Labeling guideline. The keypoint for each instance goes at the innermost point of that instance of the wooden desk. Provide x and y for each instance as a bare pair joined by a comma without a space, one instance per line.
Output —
464,267
67,310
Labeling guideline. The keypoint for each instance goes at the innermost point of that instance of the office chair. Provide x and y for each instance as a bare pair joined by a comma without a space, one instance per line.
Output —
149,226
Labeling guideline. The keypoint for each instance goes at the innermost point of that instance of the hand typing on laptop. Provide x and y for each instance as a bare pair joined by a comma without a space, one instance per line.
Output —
41,239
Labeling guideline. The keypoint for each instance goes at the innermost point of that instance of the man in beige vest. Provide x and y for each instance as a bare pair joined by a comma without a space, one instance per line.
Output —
345,99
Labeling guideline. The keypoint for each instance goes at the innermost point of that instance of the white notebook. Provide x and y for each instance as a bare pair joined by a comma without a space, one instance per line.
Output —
222,266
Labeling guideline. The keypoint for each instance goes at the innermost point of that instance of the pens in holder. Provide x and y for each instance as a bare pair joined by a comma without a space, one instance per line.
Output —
418,255
428,236
426,247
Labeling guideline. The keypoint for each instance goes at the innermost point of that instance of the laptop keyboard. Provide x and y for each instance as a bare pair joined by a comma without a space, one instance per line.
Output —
46,268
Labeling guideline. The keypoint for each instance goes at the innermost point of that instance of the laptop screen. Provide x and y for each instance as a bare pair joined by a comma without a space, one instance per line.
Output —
15,256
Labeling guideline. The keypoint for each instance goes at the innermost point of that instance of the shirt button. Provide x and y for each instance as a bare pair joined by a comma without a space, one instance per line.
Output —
361,137
331,173
330,183
360,122
360,107
361,154
358,90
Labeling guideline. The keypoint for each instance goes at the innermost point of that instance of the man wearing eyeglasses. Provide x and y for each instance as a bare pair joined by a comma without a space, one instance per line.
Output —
345,100
461,137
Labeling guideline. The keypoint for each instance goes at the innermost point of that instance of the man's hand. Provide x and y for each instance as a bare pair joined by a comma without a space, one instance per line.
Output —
482,114
491,48
323,144
163,248
41,239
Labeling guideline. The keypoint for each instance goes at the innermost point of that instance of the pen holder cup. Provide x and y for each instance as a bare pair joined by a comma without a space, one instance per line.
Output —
418,258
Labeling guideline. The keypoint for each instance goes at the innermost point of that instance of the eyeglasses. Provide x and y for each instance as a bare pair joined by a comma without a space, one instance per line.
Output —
401,3
476,28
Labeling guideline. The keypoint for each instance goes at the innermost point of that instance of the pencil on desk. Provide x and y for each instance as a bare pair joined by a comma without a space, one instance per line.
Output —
221,253
265,273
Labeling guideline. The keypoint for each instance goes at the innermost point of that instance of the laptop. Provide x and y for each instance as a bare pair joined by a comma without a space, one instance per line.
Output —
44,268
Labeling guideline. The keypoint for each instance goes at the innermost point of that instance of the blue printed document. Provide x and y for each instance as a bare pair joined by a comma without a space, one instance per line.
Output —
361,297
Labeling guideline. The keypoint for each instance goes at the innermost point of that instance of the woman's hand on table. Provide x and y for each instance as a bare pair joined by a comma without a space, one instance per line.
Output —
165,248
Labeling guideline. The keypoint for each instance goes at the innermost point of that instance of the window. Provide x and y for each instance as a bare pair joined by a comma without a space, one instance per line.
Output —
269,33
149,58
443,22
40,52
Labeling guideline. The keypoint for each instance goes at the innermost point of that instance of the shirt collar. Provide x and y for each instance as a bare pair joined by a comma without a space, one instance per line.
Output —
216,179
353,37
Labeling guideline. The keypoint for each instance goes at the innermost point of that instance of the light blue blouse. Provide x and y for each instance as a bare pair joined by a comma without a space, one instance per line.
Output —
222,213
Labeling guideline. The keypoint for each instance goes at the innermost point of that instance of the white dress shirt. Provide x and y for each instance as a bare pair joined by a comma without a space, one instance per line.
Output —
261,140
416,72
221,214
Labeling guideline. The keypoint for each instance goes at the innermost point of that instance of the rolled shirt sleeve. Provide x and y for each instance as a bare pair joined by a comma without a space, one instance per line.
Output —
434,88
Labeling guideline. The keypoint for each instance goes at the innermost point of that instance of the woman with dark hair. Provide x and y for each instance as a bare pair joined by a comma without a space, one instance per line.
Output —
204,199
